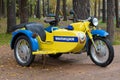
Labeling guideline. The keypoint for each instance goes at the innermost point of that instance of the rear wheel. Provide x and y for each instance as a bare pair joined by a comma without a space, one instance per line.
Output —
55,55
23,51
105,52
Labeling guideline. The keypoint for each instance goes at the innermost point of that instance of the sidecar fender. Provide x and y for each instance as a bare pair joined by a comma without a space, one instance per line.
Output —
33,41
101,33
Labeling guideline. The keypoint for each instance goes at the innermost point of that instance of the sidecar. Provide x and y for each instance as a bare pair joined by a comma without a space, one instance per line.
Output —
30,39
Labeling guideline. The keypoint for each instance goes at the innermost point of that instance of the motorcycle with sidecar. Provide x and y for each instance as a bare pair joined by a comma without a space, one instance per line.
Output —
30,39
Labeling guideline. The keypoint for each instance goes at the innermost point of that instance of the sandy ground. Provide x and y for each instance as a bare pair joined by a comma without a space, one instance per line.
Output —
67,67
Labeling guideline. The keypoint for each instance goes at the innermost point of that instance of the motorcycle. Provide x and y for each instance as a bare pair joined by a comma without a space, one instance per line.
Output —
30,39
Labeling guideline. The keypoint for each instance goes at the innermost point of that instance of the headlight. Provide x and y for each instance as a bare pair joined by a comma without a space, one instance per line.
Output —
93,21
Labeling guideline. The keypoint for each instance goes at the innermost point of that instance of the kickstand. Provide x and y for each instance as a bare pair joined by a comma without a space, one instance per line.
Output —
44,60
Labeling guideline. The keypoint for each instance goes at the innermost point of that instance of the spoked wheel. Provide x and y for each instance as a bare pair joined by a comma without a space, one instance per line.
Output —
55,55
23,51
104,54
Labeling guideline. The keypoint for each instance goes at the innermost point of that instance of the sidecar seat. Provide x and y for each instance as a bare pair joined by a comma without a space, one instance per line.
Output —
34,27
37,28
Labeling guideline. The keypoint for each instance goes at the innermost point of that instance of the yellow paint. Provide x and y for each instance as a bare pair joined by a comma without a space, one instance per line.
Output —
22,28
79,26
52,47
82,26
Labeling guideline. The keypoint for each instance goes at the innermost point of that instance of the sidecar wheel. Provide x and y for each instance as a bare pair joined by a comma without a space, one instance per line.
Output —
23,51
105,53
55,55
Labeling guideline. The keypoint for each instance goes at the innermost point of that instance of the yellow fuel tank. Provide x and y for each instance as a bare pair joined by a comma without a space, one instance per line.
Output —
79,26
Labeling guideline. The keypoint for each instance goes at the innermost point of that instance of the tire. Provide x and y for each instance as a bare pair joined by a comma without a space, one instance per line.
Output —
23,51
55,55
105,53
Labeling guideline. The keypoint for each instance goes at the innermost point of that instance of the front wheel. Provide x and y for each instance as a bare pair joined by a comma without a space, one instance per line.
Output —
104,54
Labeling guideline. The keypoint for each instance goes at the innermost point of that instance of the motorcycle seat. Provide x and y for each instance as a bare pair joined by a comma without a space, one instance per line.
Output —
52,22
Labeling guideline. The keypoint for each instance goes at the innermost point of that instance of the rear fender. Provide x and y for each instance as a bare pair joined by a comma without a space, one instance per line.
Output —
33,41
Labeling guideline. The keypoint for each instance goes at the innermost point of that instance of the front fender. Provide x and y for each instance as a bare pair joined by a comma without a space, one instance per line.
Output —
101,33
33,41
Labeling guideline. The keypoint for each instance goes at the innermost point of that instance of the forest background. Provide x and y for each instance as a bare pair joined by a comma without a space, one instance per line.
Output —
14,12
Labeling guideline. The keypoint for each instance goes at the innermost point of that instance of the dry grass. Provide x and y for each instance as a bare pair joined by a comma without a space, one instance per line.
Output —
117,37
3,25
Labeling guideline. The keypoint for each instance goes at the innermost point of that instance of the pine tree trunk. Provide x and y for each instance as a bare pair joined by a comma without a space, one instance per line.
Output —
3,8
64,10
88,7
95,8
11,15
44,12
57,11
117,13
80,8
99,5
24,11
38,9
110,19
104,11
48,7
0,9
30,10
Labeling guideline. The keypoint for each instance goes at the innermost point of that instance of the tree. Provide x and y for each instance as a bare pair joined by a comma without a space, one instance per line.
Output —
81,8
95,9
0,9
99,5
38,9
110,19
44,12
88,7
117,13
64,10
104,11
11,15
30,9
48,7
57,11
23,6
3,8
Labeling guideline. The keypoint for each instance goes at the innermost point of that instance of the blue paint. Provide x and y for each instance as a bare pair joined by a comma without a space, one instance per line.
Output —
101,33
65,39
34,42
49,28
70,27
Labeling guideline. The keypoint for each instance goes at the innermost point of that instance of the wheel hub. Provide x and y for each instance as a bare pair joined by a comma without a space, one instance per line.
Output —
22,51
101,51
